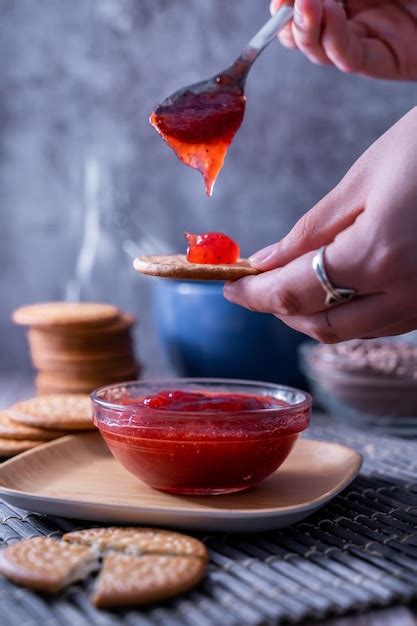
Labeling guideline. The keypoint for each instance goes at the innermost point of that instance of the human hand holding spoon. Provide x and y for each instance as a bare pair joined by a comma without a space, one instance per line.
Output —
200,121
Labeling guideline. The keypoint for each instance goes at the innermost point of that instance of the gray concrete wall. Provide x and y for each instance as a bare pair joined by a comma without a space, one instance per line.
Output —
77,82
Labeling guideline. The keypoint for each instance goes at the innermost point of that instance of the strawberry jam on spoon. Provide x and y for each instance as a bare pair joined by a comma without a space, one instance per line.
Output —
200,126
200,121
212,249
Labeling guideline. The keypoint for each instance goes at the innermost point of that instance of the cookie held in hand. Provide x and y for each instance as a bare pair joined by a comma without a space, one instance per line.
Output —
176,266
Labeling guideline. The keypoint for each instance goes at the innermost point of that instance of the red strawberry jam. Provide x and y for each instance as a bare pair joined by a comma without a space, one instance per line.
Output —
199,127
212,248
199,442
188,401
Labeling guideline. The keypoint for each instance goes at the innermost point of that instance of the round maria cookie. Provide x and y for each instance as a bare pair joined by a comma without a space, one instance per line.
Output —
92,379
11,447
47,390
139,565
87,334
46,564
80,352
126,580
11,429
66,314
177,266
142,565
84,363
139,541
55,412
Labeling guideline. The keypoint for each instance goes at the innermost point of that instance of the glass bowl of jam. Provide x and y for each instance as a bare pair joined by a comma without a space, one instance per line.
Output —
200,436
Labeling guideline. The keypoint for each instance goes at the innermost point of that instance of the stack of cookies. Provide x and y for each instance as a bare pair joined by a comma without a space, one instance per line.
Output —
77,347
33,422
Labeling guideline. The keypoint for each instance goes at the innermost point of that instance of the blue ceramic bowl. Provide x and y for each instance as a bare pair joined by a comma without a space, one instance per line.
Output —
204,335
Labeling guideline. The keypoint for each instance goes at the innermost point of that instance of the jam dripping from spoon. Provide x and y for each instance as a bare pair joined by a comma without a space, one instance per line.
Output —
200,121
200,126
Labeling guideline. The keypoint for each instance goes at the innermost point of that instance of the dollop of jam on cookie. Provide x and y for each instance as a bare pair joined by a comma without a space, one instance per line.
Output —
199,127
212,249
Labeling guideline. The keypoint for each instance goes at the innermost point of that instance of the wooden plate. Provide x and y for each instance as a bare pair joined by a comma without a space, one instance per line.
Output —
76,476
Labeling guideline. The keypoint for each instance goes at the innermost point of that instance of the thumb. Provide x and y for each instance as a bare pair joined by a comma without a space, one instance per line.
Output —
318,227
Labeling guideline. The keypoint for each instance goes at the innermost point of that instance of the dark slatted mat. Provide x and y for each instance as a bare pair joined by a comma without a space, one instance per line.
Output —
358,552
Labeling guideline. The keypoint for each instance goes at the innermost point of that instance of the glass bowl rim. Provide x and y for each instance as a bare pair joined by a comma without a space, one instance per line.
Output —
305,403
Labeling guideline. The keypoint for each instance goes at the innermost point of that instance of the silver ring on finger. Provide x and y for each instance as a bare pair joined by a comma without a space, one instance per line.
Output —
334,295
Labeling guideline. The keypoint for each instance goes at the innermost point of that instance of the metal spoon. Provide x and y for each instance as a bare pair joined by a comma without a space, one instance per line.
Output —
237,73
199,121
